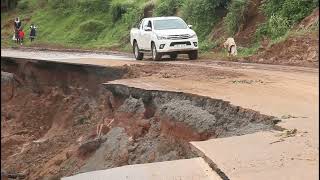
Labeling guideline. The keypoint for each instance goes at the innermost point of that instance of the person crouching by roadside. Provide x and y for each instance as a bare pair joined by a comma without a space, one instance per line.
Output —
21,36
32,32
231,46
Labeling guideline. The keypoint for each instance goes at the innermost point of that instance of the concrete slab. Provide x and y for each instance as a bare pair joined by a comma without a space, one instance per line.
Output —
185,169
263,156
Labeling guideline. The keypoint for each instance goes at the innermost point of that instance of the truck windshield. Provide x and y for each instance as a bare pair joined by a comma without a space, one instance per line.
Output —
169,24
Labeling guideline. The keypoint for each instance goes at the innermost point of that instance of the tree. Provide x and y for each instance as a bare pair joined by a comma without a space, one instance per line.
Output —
8,4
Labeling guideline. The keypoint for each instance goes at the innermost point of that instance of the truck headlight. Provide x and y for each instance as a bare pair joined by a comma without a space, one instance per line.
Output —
193,35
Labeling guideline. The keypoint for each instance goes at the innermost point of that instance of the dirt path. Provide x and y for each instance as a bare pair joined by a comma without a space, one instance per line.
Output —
287,92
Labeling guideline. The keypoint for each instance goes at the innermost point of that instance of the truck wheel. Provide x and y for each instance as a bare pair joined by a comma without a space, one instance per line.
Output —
155,55
173,56
193,55
138,55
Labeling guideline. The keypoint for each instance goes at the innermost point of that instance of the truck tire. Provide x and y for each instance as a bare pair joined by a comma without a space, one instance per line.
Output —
193,55
137,54
173,56
155,55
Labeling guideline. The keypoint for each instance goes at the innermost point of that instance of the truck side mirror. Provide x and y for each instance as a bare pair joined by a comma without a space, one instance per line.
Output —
147,28
190,26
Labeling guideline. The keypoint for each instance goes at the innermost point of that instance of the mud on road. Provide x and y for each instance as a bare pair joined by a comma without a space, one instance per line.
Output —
48,126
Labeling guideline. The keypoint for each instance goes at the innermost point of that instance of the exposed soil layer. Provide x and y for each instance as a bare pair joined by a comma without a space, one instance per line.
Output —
253,18
51,110
310,20
300,50
245,35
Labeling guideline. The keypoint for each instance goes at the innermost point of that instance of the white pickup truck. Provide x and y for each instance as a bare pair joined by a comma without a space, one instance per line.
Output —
164,35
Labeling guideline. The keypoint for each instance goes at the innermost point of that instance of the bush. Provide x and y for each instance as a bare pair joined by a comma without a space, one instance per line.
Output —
132,17
88,31
202,14
292,10
207,45
148,8
296,10
270,7
91,26
278,26
118,9
262,30
94,6
23,5
281,15
167,7
62,4
275,27
236,15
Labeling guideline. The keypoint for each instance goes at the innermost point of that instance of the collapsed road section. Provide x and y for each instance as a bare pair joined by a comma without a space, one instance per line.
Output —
50,113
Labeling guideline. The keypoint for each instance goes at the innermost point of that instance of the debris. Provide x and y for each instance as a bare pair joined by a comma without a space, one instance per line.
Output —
277,141
247,81
89,146
285,134
288,116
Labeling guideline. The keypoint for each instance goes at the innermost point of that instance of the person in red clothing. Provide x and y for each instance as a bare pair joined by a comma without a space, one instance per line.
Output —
21,36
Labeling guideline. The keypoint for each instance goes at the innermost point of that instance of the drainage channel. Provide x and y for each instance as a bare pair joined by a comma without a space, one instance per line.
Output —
51,113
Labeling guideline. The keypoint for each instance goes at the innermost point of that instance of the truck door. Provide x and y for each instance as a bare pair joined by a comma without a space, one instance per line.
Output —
146,35
139,34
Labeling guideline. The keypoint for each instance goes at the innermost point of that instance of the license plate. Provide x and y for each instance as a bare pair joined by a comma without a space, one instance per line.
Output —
180,45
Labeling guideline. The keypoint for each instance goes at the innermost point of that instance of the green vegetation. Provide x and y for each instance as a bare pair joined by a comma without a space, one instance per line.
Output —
247,51
236,15
202,14
106,24
101,24
282,15
168,7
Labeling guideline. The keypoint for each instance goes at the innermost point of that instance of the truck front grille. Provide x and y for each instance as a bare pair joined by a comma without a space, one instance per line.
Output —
177,37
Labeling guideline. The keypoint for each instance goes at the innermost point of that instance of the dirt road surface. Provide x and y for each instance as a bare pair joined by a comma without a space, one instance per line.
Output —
56,55
287,92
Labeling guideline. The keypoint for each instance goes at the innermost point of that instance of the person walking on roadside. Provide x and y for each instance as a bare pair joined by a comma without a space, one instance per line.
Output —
17,26
32,32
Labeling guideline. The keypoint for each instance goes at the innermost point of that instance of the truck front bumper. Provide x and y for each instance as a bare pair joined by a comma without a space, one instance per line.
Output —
179,46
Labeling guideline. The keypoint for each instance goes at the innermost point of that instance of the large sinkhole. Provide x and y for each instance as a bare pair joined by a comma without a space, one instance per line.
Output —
50,114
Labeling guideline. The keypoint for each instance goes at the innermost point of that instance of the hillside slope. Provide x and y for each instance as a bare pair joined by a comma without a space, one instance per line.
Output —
105,24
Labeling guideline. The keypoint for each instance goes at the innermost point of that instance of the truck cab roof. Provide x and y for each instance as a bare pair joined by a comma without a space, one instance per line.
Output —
162,18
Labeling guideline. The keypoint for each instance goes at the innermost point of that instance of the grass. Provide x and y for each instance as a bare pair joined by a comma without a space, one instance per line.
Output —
248,51
70,28
223,54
